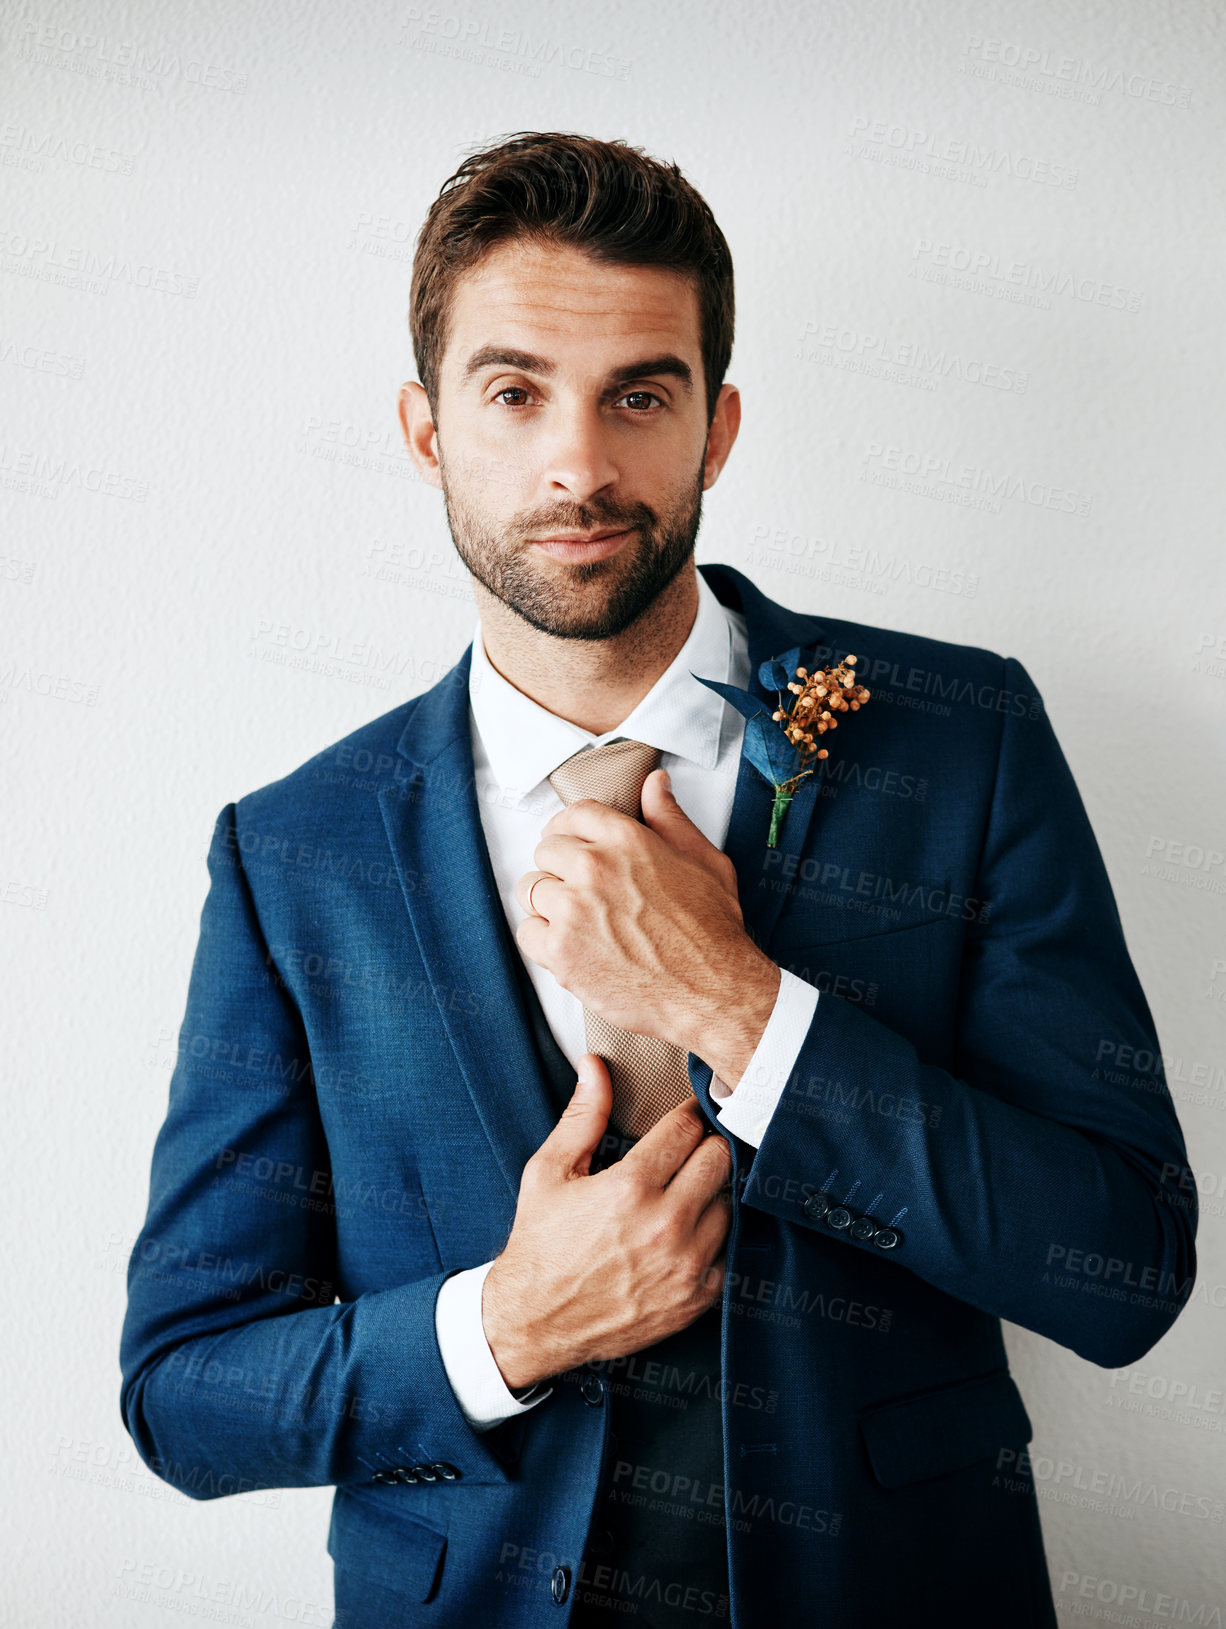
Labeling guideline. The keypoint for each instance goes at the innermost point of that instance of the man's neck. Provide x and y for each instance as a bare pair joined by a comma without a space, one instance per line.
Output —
592,683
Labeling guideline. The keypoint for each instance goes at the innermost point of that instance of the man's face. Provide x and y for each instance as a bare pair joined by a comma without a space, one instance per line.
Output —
572,400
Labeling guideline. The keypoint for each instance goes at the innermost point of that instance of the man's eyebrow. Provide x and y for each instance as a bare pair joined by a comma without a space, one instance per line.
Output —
525,362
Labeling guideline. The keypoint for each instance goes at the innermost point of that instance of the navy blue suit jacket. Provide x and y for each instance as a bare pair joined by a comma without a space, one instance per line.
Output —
356,1093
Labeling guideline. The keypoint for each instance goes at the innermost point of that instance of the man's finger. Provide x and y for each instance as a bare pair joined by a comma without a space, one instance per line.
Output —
588,819
704,1177
661,1152
568,1149
534,903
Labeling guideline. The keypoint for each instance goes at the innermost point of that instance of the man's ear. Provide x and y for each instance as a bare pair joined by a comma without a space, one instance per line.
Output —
420,434
721,433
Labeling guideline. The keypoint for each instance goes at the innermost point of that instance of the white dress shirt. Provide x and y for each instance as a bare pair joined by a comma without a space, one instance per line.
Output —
516,745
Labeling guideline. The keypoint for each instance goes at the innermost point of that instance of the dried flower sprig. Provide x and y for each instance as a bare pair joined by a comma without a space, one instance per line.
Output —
819,697
785,755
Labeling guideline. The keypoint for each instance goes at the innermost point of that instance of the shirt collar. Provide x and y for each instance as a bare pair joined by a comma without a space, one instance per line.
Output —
524,742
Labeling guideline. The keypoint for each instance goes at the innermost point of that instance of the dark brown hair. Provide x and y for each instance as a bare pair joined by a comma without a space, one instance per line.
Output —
603,197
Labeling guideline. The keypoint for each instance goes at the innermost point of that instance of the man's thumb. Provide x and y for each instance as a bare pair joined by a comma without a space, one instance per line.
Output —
664,814
591,1100
576,1136
593,1073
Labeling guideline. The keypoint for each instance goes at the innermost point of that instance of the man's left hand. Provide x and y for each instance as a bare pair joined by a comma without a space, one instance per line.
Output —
642,923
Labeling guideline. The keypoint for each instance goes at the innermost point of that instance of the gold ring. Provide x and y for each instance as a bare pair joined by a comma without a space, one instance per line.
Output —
531,907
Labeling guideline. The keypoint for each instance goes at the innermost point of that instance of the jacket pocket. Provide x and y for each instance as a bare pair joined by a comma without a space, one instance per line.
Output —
944,1429
803,928
392,1549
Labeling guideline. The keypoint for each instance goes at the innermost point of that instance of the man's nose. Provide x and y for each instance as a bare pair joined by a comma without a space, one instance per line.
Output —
578,452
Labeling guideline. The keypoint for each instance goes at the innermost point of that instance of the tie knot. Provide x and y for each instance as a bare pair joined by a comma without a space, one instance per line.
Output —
613,773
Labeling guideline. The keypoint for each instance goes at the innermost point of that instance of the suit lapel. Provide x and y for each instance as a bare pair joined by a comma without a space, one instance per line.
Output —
438,844
434,828
761,878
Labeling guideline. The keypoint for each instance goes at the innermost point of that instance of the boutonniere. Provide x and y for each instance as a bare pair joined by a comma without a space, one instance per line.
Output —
780,744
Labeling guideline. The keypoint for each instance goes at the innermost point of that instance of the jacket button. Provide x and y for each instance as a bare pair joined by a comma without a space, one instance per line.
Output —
816,1206
559,1584
447,1472
384,1476
887,1238
591,1389
404,1473
426,1473
839,1218
863,1228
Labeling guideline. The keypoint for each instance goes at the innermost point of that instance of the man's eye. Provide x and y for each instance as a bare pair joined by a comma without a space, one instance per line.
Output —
642,395
634,396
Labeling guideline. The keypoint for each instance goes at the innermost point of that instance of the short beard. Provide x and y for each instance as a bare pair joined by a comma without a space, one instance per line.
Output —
551,606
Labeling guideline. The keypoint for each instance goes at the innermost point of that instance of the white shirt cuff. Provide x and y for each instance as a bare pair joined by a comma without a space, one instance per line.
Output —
483,1395
747,1111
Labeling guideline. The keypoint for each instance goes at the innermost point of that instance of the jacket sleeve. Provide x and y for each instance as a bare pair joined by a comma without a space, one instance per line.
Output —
1043,1178
240,1368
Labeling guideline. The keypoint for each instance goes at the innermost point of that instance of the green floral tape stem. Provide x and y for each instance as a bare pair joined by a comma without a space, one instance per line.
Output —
783,797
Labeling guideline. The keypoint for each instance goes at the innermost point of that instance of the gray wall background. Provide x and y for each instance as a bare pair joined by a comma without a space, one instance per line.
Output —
979,260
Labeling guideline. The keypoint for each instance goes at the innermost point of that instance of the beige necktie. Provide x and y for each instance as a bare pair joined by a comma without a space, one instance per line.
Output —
650,1076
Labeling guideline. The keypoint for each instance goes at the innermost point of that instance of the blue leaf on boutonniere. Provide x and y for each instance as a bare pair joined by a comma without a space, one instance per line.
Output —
776,672
766,746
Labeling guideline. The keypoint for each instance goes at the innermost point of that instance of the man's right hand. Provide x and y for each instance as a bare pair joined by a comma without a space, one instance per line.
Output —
599,1266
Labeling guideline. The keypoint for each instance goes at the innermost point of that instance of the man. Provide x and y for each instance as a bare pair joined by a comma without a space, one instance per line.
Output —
673,1182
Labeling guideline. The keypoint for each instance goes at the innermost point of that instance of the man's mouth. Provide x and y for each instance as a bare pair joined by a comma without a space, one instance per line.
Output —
577,549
